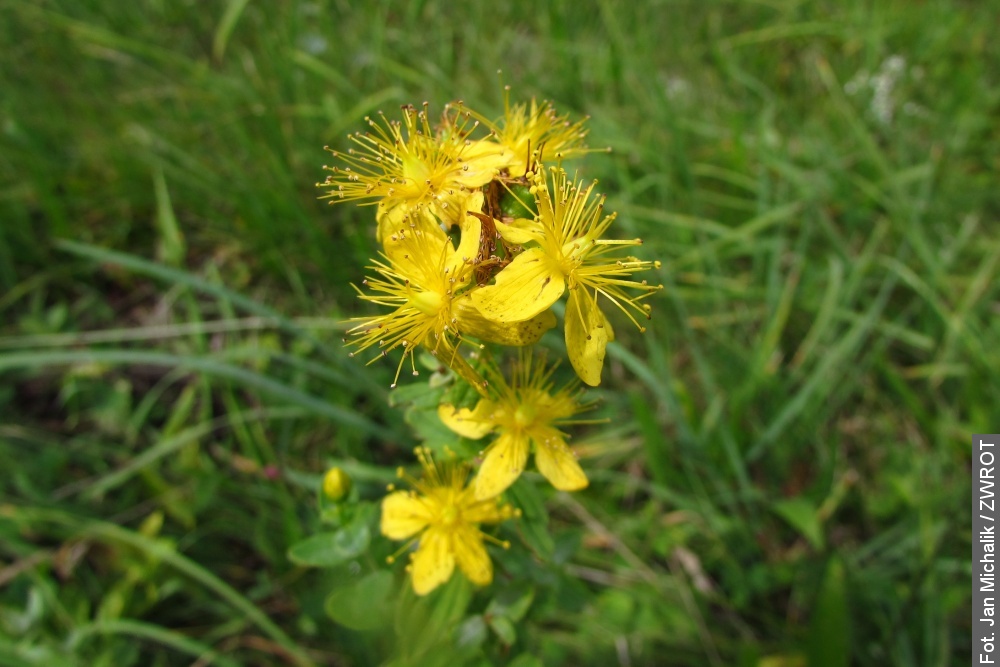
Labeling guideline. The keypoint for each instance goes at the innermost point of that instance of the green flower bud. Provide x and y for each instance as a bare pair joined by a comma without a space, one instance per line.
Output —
518,203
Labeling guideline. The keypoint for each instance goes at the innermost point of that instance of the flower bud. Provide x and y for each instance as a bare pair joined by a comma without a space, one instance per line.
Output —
336,484
518,202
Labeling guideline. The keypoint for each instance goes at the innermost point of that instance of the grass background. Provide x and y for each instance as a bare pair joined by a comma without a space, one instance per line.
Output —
786,478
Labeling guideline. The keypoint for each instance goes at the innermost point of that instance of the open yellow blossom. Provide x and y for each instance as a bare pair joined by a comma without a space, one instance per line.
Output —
415,174
565,250
525,415
426,282
442,514
536,126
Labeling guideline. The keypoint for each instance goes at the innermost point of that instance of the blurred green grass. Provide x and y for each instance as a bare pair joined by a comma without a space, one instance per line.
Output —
789,484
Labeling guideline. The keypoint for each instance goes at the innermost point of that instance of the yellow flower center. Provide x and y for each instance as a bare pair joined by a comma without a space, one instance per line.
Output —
449,515
571,255
428,303
416,178
524,415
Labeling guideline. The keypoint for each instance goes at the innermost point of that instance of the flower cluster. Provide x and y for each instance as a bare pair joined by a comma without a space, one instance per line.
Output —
482,232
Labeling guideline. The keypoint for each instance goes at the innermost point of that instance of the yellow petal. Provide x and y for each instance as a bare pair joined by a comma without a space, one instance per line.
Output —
468,423
416,252
587,335
468,247
524,288
433,562
394,217
480,162
473,202
470,553
520,231
403,515
452,207
390,219
515,334
504,462
556,462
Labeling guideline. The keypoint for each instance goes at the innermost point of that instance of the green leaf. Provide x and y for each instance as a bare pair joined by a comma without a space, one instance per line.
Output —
512,602
534,522
829,641
135,630
504,628
234,9
525,660
424,624
206,365
783,660
330,549
617,610
364,604
162,551
471,634
420,405
428,427
449,604
171,248
418,394
803,517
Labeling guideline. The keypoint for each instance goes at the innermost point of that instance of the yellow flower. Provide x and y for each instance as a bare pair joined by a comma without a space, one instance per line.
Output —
412,171
427,283
444,516
524,414
564,250
527,128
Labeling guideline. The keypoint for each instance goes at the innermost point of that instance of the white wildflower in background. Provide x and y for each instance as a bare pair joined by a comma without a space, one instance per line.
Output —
882,86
